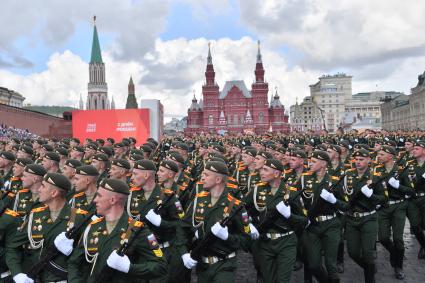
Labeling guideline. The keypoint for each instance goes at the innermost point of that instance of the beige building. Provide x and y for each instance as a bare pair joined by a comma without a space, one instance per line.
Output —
331,94
11,97
306,116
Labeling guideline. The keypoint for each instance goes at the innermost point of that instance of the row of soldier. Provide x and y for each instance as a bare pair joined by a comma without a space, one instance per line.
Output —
289,204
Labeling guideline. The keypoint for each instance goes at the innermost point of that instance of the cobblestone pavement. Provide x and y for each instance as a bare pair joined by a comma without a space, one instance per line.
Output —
413,268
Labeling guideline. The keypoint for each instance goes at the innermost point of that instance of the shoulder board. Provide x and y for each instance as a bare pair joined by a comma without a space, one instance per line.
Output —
138,224
410,161
231,179
24,191
199,183
262,184
167,191
202,194
287,171
15,179
231,198
11,213
309,173
252,174
78,194
379,165
241,168
96,221
41,208
335,178
232,186
376,174
351,170
81,211
294,189
135,189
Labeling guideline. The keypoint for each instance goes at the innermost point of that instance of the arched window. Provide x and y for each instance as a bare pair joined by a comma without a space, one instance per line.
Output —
95,103
261,117
103,104
210,119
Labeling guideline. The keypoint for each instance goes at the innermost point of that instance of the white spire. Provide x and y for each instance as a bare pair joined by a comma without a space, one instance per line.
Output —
81,103
259,60
209,58
112,103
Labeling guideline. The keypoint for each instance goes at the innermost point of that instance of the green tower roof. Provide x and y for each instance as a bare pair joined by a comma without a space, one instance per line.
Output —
96,56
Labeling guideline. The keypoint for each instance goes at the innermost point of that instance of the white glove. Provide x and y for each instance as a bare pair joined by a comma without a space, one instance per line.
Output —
189,262
63,244
394,183
220,231
254,232
154,218
423,175
327,196
367,191
120,263
284,209
22,278
196,234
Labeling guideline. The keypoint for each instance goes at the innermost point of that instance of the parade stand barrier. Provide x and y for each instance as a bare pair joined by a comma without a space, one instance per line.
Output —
116,123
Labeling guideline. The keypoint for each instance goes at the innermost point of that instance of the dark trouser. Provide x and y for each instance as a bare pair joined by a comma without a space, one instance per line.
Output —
323,236
361,234
416,215
177,272
393,218
222,271
277,258
340,257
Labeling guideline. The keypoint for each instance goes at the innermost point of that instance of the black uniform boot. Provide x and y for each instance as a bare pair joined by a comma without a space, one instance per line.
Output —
369,273
398,269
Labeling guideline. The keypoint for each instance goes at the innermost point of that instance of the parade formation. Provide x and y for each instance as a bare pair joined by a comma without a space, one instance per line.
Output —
110,211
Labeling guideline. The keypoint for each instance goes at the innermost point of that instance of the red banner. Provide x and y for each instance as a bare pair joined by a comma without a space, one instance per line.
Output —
117,124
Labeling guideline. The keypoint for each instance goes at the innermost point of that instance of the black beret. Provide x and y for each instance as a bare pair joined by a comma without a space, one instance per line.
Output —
132,139
169,164
78,148
420,143
87,170
24,161
92,146
271,146
321,147
39,141
8,155
361,152
146,148
251,152
145,164
265,154
111,140
62,151
101,157
47,147
136,151
106,150
125,141
58,180
52,156
73,163
175,156
152,140
26,149
217,159
217,147
274,164
77,140
321,155
16,140
361,145
389,149
390,143
35,169
119,145
135,157
217,167
100,141
89,140
335,148
298,153
123,163
345,144
115,185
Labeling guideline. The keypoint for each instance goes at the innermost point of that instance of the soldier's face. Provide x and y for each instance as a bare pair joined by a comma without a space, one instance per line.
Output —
268,174
116,172
259,162
362,162
408,146
247,159
46,192
210,179
139,177
47,163
102,201
17,170
418,152
164,174
27,179
68,171
80,182
295,162
317,164
384,157
332,154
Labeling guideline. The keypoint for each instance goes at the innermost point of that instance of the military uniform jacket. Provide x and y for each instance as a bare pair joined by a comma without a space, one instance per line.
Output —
406,186
138,206
34,237
9,221
202,215
352,188
89,257
265,204
102,176
414,173
79,201
21,201
241,176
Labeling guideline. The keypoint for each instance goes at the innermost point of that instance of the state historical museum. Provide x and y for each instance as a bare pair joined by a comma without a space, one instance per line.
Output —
235,109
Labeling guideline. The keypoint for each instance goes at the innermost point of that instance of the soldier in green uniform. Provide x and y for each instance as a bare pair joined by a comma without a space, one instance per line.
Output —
392,218
100,161
69,169
85,184
325,230
51,162
40,230
6,164
98,246
361,216
119,169
25,152
218,261
76,152
89,152
277,245
416,205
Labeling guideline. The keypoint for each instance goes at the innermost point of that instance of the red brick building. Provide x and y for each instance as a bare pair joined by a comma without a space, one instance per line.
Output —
236,109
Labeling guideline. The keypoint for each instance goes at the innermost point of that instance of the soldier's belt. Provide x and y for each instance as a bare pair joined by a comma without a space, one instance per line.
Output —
214,259
361,214
5,274
274,236
322,218
420,194
395,201
164,245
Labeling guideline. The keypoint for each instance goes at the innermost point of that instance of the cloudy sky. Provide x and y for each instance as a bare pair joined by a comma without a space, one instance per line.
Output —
45,46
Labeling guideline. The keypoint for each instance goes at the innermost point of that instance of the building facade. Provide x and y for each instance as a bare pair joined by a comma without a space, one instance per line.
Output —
156,116
11,97
331,94
97,96
306,116
236,109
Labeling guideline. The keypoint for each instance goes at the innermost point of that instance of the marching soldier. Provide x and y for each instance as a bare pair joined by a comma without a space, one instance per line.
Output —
77,152
119,170
85,184
51,162
98,247
6,164
89,152
393,217
101,162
